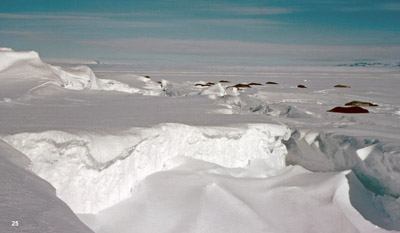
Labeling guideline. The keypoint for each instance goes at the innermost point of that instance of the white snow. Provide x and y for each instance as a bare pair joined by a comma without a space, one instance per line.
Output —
130,153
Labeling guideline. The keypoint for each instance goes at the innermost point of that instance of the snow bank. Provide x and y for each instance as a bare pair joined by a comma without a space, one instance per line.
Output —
77,164
195,196
28,202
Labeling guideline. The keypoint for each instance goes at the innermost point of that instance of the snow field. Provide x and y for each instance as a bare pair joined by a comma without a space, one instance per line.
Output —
202,178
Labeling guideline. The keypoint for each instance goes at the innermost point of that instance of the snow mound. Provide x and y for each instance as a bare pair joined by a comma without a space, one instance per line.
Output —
195,196
77,164
30,202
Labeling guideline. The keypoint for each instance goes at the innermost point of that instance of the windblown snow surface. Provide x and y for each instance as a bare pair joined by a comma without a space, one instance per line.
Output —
133,150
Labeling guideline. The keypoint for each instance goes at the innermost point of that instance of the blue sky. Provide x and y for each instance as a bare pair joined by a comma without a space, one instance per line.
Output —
252,32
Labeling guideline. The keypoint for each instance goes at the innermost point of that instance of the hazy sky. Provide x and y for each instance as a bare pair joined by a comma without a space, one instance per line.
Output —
252,32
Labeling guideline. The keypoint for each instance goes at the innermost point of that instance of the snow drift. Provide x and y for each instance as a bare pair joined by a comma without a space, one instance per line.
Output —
195,196
77,164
